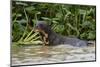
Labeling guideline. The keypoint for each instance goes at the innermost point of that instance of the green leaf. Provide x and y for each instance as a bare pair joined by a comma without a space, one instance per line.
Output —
45,18
91,35
30,8
21,3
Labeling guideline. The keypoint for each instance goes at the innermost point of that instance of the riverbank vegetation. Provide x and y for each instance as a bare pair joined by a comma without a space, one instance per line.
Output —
65,19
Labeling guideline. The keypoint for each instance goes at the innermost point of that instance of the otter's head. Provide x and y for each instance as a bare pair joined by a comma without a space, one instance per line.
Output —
42,26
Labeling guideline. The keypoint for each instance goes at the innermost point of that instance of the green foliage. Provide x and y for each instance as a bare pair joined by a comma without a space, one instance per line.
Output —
30,38
76,20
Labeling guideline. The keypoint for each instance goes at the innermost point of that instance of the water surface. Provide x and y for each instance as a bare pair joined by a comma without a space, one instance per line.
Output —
25,55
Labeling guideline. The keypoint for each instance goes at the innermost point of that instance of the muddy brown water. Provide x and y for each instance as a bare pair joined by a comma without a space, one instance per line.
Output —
27,55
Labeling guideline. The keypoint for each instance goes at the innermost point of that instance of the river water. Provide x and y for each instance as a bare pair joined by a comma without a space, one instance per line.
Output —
26,55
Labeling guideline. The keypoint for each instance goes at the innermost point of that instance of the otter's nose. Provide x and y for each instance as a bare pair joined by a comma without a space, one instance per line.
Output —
36,29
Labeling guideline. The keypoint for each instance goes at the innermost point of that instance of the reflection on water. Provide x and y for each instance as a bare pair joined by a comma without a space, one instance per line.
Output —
50,54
